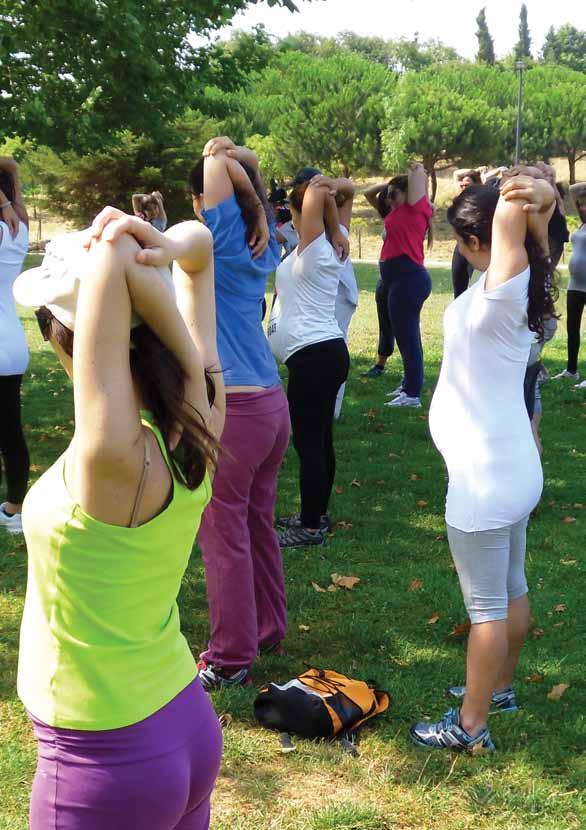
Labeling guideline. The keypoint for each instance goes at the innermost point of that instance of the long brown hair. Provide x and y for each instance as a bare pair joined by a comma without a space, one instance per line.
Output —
161,382
471,214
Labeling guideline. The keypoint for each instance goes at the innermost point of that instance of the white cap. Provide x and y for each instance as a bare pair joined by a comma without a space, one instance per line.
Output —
55,282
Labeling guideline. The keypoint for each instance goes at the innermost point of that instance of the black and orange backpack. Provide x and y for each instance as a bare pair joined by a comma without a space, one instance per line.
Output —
320,703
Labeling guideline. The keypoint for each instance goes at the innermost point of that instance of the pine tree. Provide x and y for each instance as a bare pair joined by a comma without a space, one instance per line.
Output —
523,47
485,41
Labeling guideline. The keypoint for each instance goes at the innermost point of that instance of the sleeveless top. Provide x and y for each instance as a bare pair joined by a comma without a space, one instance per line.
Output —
477,418
577,263
100,642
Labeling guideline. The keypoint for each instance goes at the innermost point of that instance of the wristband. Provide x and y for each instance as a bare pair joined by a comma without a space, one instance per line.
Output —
5,205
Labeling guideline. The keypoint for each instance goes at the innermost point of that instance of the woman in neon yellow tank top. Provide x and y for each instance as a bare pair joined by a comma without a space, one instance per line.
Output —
126,736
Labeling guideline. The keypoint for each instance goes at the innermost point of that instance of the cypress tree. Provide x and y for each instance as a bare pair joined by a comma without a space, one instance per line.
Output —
485,41
523,47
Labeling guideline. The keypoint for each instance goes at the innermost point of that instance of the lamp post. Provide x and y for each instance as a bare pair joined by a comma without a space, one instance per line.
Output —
519,66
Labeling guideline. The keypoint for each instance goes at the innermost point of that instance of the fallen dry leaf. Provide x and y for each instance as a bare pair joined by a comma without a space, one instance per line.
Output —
567,561
394,455
578,505
569,520
344,525
355,483
339,490
415,584
440,538
414,477
372,413
557,691
537,633
318,588
421,503
37,468
347,582
561,608
460,631
225,720
380,483
535,678
433,619
304,627
332,588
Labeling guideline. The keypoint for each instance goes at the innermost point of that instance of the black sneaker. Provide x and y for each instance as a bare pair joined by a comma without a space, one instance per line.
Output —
285,522
504,701
300,537
448,734
374,372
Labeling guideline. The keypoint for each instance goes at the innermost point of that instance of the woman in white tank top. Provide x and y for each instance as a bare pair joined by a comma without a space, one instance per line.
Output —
479,423
13,345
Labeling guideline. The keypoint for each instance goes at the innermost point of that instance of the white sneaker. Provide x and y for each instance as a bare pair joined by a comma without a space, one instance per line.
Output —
395,392
565,375
13,524
580,385
405,400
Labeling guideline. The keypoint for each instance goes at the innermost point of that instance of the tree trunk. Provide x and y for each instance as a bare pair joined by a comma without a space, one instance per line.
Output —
572,165
433,176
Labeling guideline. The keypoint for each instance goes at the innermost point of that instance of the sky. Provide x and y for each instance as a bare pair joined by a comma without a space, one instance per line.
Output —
451,21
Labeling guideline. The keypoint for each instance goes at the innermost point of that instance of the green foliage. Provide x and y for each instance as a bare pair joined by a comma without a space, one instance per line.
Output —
86,183
565,47
75,72
523,47
555,114
485,42
326,111
446,115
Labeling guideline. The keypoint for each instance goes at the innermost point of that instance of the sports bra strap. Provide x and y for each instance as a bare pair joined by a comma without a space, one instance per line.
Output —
142,482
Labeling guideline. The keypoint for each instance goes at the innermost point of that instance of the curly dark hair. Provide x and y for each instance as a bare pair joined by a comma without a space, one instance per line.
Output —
471,214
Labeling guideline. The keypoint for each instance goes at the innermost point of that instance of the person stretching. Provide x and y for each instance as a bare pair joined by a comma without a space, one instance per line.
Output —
576,295
408,282
305,335
494,468
244,571
461,269
378,196
126,735
13,346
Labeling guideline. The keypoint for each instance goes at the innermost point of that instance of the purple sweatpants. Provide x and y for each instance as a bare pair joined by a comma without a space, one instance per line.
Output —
240,548
157,774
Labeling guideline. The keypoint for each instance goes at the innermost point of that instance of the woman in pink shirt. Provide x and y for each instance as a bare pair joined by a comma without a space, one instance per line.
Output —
402,271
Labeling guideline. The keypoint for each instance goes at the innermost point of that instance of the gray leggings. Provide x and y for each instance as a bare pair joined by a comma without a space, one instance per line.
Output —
491,568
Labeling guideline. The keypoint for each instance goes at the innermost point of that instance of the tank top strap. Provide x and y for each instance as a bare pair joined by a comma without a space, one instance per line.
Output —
142,482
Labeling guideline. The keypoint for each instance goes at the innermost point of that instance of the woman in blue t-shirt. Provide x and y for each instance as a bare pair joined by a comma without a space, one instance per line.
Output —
240,548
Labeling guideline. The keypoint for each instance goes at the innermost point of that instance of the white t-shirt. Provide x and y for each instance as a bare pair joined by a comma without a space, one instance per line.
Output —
13,345
348,287
304,309
478,419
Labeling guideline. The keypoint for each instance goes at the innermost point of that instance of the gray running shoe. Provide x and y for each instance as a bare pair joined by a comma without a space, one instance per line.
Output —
217,678
448,734
504,701
285,522
300,537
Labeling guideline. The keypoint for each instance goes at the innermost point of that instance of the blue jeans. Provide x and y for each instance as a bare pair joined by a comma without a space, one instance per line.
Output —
409,287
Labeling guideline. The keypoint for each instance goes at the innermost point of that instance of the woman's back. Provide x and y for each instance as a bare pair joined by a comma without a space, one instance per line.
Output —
101,645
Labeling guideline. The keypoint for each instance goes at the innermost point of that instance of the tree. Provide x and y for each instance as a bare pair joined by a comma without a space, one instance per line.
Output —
485,41
566,47
324,111
555,115
442,117
75,72
523,47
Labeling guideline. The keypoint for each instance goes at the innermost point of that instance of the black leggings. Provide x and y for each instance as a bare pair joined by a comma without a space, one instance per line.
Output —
461,272
315,375
575,302
15,457
386,337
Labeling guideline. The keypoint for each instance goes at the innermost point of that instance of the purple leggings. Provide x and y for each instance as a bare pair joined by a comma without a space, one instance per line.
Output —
157,774
239,545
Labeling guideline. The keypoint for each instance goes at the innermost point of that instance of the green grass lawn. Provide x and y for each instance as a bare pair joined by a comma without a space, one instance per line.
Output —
388,504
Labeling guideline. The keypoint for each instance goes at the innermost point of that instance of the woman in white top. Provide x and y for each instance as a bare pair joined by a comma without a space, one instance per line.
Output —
479,423
13,346
305,335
